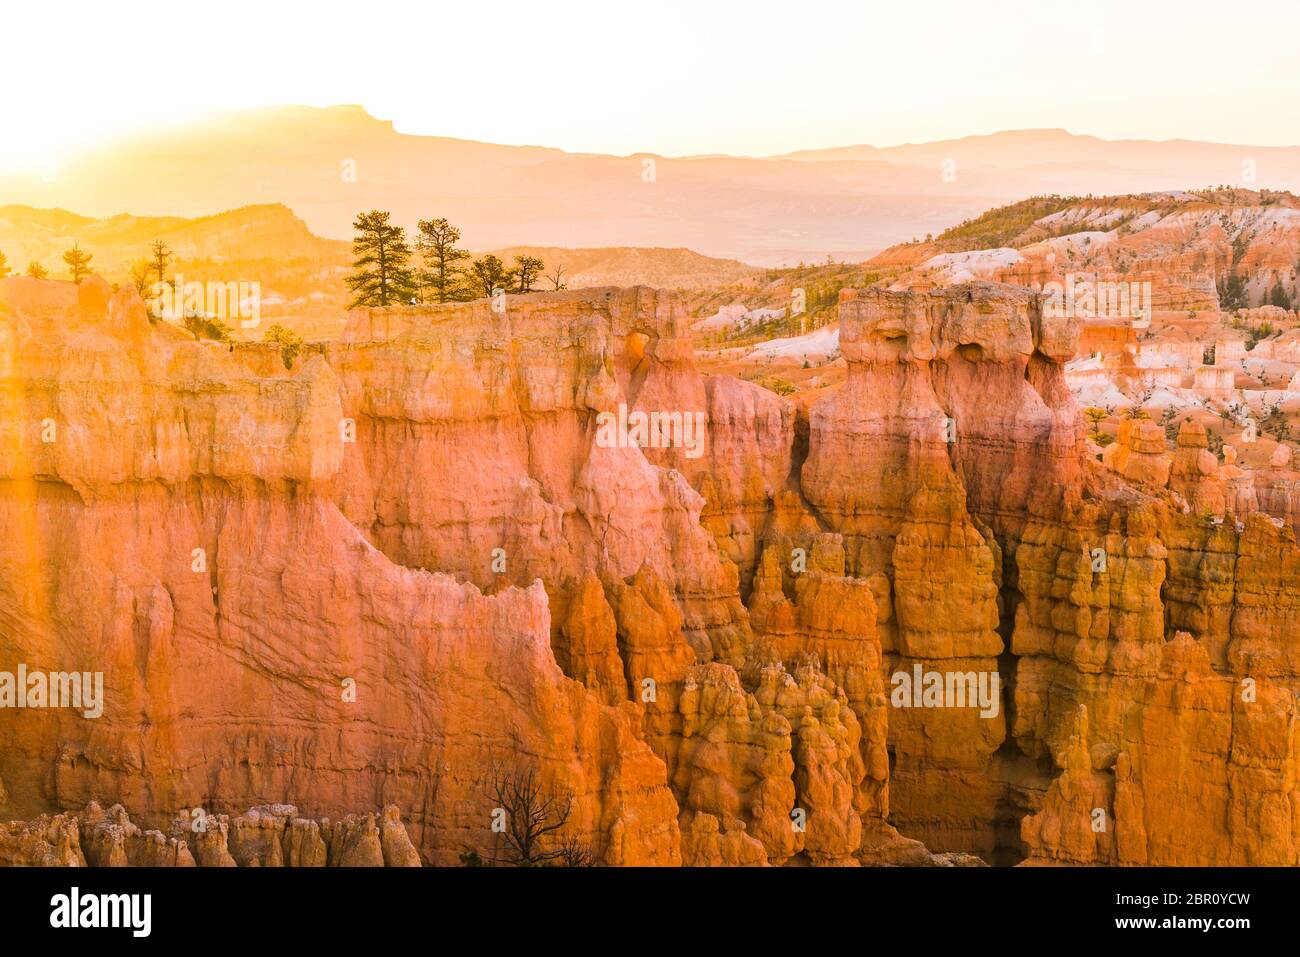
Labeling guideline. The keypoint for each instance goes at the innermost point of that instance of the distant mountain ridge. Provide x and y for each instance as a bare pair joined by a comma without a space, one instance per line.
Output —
266,243
1050,146
630,266
248,233
328,164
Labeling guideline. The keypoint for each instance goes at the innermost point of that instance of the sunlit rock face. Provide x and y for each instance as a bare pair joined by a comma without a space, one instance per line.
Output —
953,425
443,545
1005,549
180,535
641,545
480,451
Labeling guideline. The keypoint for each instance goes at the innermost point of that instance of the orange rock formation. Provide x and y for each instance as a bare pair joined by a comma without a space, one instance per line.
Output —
372,579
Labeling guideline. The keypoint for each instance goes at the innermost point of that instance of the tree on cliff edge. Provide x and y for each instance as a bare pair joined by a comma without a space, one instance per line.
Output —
383,276
442,259
4,266
290,343
78,262
490,274
525,273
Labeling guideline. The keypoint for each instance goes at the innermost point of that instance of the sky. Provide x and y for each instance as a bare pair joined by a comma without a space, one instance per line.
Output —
749,77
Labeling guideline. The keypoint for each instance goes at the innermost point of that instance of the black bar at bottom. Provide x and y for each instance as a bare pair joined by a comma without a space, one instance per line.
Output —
690,906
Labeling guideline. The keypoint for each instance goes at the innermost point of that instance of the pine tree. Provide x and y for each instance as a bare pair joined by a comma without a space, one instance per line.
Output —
161,256
383,276
490,274
437,241
4,266
1280,297
78,262
525,273
36,270
1232,293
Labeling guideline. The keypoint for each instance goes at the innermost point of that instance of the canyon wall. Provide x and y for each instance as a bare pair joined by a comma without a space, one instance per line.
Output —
180,534
1136,728
418,558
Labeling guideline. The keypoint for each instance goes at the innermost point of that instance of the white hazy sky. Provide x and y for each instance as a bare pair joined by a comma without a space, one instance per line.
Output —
744,76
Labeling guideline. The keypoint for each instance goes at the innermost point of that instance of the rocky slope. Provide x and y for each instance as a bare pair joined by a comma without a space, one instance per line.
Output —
415,557
269,836
1186,245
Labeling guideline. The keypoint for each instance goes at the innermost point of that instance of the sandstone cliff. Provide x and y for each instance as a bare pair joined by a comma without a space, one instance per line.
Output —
409,560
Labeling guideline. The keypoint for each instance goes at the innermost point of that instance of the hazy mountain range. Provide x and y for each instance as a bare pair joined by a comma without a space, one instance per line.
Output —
847,202
270,236
301,275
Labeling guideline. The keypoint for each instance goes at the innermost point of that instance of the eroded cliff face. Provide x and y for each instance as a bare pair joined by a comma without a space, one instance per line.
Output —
477,449
420,556
1007,549
287,660
644,545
